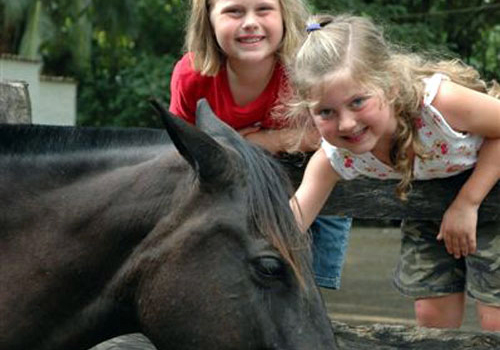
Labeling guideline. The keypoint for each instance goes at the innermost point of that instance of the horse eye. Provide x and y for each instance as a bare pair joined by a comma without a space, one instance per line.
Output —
269,267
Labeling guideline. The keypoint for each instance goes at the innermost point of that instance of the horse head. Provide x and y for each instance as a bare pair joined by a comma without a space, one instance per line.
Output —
188,239
249,285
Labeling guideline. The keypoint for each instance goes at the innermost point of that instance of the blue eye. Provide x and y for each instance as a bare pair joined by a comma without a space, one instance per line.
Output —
325,113
358,102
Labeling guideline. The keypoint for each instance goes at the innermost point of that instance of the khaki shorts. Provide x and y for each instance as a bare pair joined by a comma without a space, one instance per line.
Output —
426,270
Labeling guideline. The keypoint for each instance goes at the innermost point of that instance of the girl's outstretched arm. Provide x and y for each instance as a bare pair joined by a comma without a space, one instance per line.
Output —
473,112
282,140
317,183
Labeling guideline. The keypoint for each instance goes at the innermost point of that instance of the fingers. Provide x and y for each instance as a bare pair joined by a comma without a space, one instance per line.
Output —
472,244
249,130
440,236
458,231
458,245
453,246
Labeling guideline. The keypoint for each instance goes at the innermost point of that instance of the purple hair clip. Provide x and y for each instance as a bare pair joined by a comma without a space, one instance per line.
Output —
312,27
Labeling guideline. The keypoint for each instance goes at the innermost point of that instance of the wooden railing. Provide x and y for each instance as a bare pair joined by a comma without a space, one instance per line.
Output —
366,198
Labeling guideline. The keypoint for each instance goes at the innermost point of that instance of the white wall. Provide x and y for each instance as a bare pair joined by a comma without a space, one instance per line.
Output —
53,99
57,102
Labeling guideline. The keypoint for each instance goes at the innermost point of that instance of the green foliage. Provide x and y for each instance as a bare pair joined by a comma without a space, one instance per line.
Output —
459,28
24,25
129,63
162,25
121,98
127,68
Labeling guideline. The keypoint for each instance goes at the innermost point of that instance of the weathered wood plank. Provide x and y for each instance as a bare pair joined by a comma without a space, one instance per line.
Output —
15,105
366,198
395,337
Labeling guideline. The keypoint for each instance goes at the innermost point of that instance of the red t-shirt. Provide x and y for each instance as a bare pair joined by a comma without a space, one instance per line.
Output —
188,86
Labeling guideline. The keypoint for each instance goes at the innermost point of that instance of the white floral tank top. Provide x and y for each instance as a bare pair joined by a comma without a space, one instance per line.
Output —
450,152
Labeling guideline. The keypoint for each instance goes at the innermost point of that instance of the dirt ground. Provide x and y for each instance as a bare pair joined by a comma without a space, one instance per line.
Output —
366,295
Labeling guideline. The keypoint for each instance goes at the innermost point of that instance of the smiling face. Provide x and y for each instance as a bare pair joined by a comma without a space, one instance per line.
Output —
247,30
350,117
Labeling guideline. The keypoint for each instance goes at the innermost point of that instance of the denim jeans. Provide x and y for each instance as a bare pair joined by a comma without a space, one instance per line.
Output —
330,236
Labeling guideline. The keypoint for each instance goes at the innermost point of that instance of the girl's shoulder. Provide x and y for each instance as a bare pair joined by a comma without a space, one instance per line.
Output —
432,85
464,109
434,119
184,67
186,78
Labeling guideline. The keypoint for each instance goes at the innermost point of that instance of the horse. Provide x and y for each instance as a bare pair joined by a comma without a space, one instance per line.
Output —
183,235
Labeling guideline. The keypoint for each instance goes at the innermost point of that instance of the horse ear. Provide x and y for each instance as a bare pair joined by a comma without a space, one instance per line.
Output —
207,121
206,156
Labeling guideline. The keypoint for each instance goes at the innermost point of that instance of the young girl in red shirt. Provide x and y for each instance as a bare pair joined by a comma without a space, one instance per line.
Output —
236,54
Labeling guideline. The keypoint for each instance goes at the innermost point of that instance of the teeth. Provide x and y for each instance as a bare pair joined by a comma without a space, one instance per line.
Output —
250,40
357,133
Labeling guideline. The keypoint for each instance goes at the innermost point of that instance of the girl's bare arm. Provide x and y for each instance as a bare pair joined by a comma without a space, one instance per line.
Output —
473,112
317,183
282,140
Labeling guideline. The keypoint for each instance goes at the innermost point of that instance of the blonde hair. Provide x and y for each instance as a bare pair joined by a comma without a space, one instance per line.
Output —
208,57
357,46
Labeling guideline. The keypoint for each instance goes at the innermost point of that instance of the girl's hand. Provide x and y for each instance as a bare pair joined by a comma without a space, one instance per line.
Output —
282,140
248,130
266,138
458,229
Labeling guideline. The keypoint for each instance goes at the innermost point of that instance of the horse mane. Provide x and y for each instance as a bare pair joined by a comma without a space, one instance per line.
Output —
45,139
269,189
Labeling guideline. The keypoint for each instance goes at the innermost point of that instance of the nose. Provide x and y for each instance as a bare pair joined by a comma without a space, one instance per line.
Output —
347,122
250,21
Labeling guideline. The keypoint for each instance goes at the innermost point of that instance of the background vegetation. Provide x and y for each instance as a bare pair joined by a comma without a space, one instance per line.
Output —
123,51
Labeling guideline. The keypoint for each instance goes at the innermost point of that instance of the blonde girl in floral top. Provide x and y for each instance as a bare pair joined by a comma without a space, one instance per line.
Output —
447,151
391,115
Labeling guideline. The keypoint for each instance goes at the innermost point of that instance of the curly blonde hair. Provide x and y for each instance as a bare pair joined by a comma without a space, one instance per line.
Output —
356,45
200,38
